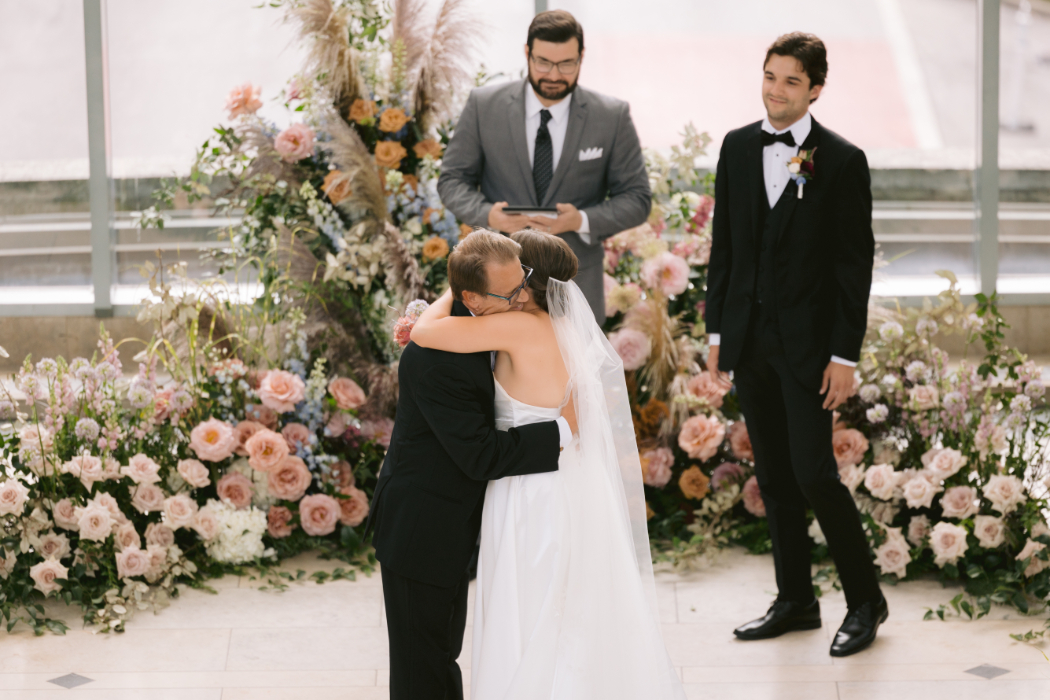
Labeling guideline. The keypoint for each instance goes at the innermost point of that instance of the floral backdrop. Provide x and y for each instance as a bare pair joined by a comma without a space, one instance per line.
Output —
247,431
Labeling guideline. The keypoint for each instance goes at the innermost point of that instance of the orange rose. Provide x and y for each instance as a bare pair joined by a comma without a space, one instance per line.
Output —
389,154
694,483
336,186
361,110
428,147
465,231
435,248
391,120
427,213
410,181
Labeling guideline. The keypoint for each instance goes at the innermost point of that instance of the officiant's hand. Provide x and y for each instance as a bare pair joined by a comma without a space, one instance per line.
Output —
507,223
838,385
569,219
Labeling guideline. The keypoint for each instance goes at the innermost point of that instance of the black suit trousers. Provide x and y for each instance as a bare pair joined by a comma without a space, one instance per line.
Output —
790,433
425,624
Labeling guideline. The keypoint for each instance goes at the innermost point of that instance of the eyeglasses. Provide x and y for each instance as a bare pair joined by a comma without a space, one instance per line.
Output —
564,68
513,296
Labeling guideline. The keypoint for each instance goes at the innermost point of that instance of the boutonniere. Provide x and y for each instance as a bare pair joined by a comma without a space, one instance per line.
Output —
801,168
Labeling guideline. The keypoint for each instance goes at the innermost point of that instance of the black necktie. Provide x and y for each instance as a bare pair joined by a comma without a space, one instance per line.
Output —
543,158
769,139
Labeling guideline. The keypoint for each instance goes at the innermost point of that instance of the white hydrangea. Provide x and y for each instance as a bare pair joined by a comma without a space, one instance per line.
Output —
870,393
915,371
891,330
239,539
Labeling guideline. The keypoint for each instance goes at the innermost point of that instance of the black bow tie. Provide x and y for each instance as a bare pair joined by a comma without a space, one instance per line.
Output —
769,139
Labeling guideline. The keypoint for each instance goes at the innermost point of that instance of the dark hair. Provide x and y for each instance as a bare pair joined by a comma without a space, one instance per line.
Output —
466,262
555,26
807,49
549,257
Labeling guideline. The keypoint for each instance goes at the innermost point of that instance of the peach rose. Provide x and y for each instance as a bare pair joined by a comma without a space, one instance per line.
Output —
213,440
289,480
428,147
244,430
147,498
278,520
53,546
337,186
361,110
389,154
1031,549
353,510
295,143
948,543
959,502
393,119
341,474
694,483
702,386
881,481
143,470
296,435
849,446
656,467
701,437
13,497
132,562
64,514
46,574
281,390
263,415
86,468
160,535
194,473
989,530
740,441
1005,493
753,502
893,557
266,449
206,523
318,514
236,490
95,523
919,492
380,430
435,248
180,509
923,397
243,100
945,464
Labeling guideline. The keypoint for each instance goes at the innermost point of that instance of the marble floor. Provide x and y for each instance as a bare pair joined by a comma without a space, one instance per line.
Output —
328,642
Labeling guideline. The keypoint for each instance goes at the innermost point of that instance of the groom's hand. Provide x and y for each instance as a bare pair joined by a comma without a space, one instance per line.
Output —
837,385
569,219
721,378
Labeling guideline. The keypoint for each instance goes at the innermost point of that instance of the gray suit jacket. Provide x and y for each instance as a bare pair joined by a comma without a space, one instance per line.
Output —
487,161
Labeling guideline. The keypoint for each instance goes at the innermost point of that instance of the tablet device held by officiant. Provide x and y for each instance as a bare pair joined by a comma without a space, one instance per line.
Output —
552,212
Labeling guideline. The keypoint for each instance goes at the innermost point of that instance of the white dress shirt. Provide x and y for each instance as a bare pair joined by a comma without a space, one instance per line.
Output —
557,126
775,158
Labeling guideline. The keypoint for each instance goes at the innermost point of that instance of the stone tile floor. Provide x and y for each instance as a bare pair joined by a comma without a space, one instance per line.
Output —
328,642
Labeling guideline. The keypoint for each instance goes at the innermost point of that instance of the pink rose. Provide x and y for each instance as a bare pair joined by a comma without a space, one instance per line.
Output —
264,415
338,424
206,523
667,273
1005,493
852,476
266,449
948,543
295,143
353,510
701,437
989,530
95,523
160,535
703,211
281,390
64,514
244,430
105,500
702,386
110,469
633,346
378,430
656,467
296,435
924,397
849,446
213,440
893,556
403,330
53,546
753,498
341,474
243,100
289,480
347,393
881,481
959,502
142,470
918,529
1031,549
13,497
919,492
277,522
147,498
194,473
86,468
158,559
45,575
945,464
740,441
235,489
126,536
180,509
132,562
726,474
318,514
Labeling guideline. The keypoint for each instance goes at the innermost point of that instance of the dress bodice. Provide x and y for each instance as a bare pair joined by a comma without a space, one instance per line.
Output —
511,413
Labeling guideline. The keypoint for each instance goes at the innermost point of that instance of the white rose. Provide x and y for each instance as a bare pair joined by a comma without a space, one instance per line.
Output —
948,543
206,523
179,511
852,476
918,529
1031,549
147,498
142,470
989,530
924,397
132,561
893,557
999,439
1005,493
13,497
959,502
794,168
126,536
64,514
881,481
95,523
919,492
946,464
816,533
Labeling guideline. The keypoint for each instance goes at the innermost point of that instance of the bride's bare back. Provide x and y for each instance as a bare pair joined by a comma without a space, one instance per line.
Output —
534,372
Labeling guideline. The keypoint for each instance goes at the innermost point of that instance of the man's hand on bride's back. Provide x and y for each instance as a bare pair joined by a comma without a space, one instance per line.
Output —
568,412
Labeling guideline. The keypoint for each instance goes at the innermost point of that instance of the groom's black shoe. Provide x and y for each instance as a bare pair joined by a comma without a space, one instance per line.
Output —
860,627
783,616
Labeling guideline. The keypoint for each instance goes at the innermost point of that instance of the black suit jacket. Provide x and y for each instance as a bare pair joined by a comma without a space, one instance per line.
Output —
426,510
823,259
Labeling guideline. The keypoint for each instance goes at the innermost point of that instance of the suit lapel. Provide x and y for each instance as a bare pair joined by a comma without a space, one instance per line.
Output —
791,192
577,120
516,110
759,200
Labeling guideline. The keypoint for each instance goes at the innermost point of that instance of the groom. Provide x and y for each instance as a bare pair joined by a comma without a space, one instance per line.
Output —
787,299
444,449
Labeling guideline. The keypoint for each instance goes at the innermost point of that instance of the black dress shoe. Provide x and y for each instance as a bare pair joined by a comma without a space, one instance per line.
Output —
783,616
860,627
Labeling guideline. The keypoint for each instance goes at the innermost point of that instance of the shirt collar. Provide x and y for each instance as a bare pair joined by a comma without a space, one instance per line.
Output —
533,105
799,130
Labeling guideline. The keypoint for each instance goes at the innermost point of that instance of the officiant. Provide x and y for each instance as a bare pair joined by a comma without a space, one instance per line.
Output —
547,142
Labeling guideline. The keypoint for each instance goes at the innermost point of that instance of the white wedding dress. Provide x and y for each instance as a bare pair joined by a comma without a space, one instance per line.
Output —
565,603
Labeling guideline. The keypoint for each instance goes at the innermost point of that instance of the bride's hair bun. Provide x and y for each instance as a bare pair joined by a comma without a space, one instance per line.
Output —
549,257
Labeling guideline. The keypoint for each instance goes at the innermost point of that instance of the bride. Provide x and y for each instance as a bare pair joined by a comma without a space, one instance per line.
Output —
565,603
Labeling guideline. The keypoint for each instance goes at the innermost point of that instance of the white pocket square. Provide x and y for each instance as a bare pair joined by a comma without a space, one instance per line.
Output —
591,153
